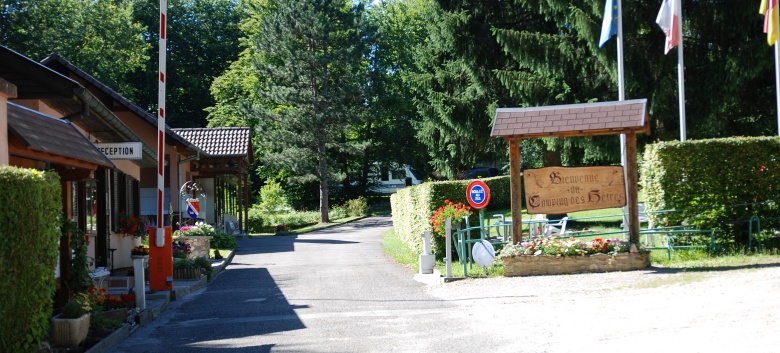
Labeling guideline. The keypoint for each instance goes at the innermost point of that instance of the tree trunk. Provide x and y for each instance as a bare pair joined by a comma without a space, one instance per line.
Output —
323,171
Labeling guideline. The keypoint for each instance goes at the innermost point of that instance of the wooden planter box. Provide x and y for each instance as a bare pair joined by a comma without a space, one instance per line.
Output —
527,265
186,273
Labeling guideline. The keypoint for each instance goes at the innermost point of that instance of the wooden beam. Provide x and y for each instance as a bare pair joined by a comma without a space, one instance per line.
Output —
246,203
516,190
72,174
631,198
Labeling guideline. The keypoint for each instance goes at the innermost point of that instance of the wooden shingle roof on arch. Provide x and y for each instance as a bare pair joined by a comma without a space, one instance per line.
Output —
585,119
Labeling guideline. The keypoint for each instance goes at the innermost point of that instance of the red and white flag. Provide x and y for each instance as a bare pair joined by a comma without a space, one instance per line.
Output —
669,20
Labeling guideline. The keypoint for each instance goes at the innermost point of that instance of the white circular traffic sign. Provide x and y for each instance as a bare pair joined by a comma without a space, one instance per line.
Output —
484,254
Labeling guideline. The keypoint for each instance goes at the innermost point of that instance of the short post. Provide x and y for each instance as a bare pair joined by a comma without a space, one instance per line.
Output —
140,283
448,246
427,260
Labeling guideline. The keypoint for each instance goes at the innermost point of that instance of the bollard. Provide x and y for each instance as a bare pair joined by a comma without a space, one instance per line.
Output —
427,260
448,246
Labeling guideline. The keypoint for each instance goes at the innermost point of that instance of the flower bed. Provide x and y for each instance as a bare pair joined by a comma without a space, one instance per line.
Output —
552,256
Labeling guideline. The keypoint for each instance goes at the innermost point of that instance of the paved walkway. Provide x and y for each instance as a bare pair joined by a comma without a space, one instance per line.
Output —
331,290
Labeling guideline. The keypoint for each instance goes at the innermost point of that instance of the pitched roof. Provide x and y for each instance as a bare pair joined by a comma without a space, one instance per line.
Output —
35,81
54,60
585,119
220,141
51,135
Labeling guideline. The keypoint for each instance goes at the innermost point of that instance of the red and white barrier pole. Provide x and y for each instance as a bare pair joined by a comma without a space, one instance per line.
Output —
160,238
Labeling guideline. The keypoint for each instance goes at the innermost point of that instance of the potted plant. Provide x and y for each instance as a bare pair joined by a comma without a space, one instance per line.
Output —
130,225
70,327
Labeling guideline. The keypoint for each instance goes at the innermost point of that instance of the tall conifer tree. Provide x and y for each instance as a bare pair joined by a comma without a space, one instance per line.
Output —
312,55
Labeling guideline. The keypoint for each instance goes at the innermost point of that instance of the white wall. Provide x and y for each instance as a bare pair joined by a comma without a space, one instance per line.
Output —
208,207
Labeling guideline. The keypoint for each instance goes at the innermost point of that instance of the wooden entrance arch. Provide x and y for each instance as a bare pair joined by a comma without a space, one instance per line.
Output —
587,119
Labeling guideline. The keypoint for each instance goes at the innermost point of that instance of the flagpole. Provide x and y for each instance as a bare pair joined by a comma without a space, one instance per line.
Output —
622,97
680,70
777,77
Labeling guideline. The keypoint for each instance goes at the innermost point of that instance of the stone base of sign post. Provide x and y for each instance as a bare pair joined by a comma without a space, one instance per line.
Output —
527,265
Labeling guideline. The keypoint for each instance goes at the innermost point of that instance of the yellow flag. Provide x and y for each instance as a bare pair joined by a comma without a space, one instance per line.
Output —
769,10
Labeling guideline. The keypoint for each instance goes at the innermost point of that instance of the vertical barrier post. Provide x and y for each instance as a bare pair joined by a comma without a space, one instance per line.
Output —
448,246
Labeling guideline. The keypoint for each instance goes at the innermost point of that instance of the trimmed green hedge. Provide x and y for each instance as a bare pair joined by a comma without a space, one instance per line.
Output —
29,231
413,207
713,184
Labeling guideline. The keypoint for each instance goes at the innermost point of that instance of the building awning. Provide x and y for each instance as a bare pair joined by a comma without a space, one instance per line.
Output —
51,139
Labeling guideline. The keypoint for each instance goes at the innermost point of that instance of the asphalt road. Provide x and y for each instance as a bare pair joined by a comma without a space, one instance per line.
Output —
327,291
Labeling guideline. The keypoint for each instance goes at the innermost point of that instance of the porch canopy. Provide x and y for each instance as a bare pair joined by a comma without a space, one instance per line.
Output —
36,136
587,119
227,157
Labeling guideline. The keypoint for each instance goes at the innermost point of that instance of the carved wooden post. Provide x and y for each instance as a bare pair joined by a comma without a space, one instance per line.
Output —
516,190
631,198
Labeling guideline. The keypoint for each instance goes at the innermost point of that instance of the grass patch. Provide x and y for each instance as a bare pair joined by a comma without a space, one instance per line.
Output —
224,252
313,227
394,247
701,258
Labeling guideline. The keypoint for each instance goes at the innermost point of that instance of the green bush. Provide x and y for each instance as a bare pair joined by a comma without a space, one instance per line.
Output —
223,240
79,281
413,207
272,197
357,207
265,222
713,184
29,232
204,263
77,307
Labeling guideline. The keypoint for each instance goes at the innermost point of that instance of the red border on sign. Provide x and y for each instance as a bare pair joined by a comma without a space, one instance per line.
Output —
484,186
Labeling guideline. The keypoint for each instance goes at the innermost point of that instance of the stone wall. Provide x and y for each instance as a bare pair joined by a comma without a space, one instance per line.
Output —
555,265
199,245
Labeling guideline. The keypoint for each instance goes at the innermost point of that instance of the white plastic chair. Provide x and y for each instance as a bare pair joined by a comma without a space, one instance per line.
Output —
553,228
537,227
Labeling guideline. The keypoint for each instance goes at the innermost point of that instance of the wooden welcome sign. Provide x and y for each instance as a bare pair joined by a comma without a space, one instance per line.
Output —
556,190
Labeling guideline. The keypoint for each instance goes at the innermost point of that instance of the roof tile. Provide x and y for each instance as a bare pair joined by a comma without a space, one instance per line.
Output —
572,120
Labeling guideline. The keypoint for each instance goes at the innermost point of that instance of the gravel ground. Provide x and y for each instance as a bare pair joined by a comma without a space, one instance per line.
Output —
654,310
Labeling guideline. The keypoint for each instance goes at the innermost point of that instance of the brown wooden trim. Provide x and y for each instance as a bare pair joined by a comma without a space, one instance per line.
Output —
633,204
516,190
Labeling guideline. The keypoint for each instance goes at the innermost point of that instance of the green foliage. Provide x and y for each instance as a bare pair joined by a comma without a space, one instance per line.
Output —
413,207
78,306
265,222
452,82
272,197
30,230
223,240
357,207
455,211
204,263
713,184
79,281
203,39
312,55
100,37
